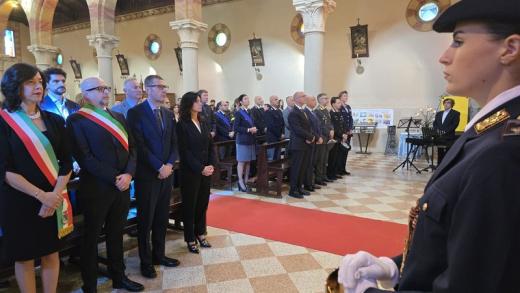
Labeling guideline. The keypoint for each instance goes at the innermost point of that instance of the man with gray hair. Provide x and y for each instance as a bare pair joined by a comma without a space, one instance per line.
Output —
133,93
326,133
104,149
290,104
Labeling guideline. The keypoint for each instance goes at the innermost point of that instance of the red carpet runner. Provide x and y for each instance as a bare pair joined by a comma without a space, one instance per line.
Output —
323,231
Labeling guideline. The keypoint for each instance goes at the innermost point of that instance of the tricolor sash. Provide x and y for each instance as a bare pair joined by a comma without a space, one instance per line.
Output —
105,120
41,151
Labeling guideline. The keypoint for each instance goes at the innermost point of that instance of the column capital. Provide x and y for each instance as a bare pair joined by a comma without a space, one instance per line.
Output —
189,31
104,44
314,13
43,55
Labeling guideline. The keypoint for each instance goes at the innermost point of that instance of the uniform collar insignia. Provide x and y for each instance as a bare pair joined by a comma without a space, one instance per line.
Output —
491,121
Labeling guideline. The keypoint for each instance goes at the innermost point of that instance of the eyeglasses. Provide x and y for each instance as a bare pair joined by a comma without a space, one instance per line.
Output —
159,86
100,89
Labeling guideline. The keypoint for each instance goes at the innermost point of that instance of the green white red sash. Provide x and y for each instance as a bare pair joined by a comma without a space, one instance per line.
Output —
41,151
105,120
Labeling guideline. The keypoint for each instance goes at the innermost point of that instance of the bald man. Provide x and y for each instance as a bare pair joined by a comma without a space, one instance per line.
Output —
275,126
104,149
133,94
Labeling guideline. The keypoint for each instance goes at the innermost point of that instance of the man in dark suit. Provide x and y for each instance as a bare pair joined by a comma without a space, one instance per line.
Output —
300,147
346,112
311,103
106,154
55,100
257,113
275,125
326,133
207,113
154,130
224,128
446,122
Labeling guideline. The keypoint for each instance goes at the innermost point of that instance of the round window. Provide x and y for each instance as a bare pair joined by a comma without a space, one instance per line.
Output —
59,59
428,11
155,47
219,38
152,47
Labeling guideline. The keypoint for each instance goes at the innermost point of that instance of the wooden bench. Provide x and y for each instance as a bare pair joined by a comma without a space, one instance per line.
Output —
226,164
267,168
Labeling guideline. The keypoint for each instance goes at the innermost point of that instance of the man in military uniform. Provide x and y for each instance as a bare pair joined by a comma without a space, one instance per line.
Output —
335,162
275,126
326,133
346,112
464,231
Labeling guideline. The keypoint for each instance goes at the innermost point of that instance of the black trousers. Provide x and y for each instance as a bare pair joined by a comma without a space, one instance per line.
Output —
153,209
106,209
195,190
299,164
309,171
320,162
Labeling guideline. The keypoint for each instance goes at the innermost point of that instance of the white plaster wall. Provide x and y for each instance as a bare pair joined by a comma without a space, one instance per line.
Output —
401,73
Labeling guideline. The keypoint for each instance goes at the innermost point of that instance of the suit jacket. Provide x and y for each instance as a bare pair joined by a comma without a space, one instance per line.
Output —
195,147
155,147
346,111
450,123
224,127
99,154
466,238
258,116
209,117
240,126
325,122
285,113
315,123
275,124
48,105
122,108
300,126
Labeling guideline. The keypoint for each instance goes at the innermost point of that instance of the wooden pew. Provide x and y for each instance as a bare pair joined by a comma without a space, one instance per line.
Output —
227,164
267,168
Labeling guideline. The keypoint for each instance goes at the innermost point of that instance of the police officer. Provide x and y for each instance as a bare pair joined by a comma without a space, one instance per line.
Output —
464,231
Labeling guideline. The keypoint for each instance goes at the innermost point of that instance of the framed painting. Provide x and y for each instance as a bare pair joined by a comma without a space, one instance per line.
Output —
257,52
76,68
123,64
359,41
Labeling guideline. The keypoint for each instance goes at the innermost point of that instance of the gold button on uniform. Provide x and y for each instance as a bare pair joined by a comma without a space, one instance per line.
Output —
425,206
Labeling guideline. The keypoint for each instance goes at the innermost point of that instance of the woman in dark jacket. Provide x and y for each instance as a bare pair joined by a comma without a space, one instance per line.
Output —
196,167
245,130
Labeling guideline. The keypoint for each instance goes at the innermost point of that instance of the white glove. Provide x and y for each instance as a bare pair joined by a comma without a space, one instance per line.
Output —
75,167
363,265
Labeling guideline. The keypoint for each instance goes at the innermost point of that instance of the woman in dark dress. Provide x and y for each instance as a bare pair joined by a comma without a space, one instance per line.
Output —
196,167
28,201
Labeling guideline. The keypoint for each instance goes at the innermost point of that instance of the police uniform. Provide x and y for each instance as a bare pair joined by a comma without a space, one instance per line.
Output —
335,162
464,234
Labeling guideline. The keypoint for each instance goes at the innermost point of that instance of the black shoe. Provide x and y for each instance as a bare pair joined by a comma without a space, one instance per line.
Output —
295,194
308,188
322,183
303,192
132,233
167,262
328,179
193,248
128,285
240,188
203,242
148,271
347,173
316,186
342,172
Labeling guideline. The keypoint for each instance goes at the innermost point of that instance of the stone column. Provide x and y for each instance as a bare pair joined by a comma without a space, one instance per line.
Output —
314,14
189,32
104,45
44,55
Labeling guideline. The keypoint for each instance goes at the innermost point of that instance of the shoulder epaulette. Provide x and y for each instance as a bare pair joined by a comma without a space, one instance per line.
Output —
491,121
512,127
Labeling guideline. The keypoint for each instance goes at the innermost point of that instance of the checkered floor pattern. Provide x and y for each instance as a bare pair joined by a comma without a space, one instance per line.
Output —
242,263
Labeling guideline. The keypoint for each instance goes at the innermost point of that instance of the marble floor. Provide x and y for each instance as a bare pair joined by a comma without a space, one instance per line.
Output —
244,263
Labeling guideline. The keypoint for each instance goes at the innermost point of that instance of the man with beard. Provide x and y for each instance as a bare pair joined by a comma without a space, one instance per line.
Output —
55,100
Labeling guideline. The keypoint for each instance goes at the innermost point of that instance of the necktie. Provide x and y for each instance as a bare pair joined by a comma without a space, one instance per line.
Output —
157,114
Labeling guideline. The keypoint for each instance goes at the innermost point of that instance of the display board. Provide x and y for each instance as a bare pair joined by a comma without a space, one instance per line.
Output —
383,117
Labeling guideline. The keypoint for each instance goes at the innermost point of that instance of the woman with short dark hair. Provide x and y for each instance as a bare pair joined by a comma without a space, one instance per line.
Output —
35,166
197,163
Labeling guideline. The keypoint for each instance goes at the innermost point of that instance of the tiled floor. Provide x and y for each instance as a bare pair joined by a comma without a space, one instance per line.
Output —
243,263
